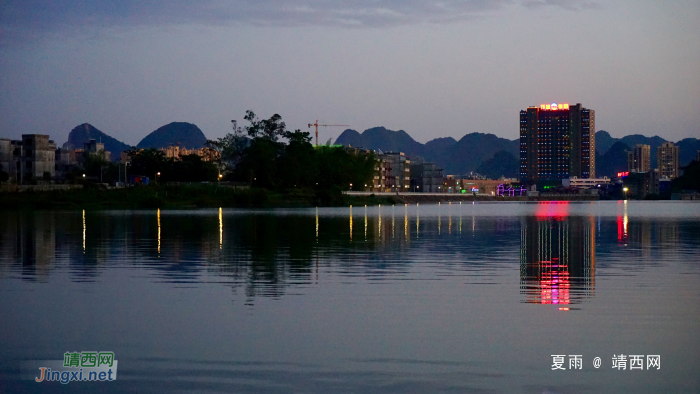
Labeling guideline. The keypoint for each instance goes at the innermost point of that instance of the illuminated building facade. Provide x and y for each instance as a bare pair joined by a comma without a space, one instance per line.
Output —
557,141
393,173
667,160
557,259
639,158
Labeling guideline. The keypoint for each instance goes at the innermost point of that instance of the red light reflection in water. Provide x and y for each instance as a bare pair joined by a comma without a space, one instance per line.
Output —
556,210
554,283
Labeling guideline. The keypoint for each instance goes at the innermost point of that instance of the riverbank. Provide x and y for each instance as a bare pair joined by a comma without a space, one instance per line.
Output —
179,197
435,198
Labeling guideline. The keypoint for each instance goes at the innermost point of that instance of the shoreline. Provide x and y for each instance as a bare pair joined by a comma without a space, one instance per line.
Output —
196,196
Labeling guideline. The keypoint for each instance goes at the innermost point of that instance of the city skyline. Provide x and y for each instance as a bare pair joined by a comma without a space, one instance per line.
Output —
432,71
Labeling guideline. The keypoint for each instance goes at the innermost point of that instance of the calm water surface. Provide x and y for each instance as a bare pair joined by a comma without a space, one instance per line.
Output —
464,298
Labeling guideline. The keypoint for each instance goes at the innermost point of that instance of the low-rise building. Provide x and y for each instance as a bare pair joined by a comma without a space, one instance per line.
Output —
393,173
65,161
8,163
94,148
36,156
585,183
483,186
176,152
425,177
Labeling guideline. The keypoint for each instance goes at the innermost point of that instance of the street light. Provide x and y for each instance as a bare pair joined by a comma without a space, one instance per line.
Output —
625,190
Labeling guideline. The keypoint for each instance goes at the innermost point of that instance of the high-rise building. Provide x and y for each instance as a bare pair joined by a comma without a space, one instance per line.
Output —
667,160
639,158
557,141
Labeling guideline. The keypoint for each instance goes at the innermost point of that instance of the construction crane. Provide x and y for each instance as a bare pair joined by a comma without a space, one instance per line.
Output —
324,125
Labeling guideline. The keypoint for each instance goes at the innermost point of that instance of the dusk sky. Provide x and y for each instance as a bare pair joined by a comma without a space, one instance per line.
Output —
432,68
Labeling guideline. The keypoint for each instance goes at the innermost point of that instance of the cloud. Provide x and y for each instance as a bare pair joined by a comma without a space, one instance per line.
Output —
34,18
571,5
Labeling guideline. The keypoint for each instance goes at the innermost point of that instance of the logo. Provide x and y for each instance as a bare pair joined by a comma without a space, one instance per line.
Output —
85,366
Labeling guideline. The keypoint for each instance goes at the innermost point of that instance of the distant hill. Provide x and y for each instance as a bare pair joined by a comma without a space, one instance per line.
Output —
478,151
603,141
85,132
688,147
653,142
501,164
613,161
455,157
184,134
436,148
473,149
383,139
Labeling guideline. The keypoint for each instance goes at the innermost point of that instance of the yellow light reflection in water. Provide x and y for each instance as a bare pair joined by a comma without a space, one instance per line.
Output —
439,218
221,228
450,226
405,221
84,231
350,222
393,221
365,222
316,224
158,216
417,219
380,222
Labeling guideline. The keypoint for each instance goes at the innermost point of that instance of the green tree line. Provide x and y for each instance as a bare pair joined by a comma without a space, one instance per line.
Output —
265,154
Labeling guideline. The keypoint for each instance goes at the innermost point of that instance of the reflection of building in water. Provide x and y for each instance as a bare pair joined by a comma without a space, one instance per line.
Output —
669,235
557,259
30,240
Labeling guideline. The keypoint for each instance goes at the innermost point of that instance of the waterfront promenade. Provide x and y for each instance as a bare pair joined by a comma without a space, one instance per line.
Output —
434,198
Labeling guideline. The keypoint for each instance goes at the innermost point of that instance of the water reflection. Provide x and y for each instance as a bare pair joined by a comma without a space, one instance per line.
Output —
158,216
84,231
266,253
557,259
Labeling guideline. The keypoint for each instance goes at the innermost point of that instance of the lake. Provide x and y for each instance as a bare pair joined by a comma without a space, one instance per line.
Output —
465,298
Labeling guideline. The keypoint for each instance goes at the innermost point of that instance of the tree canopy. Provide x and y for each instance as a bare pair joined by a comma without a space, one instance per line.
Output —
190,168
272,157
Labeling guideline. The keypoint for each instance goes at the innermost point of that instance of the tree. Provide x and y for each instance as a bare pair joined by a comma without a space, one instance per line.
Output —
229,148
297,163
269,129
191,168
258,164
339,168
690,180
148,162
97,166
278,159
